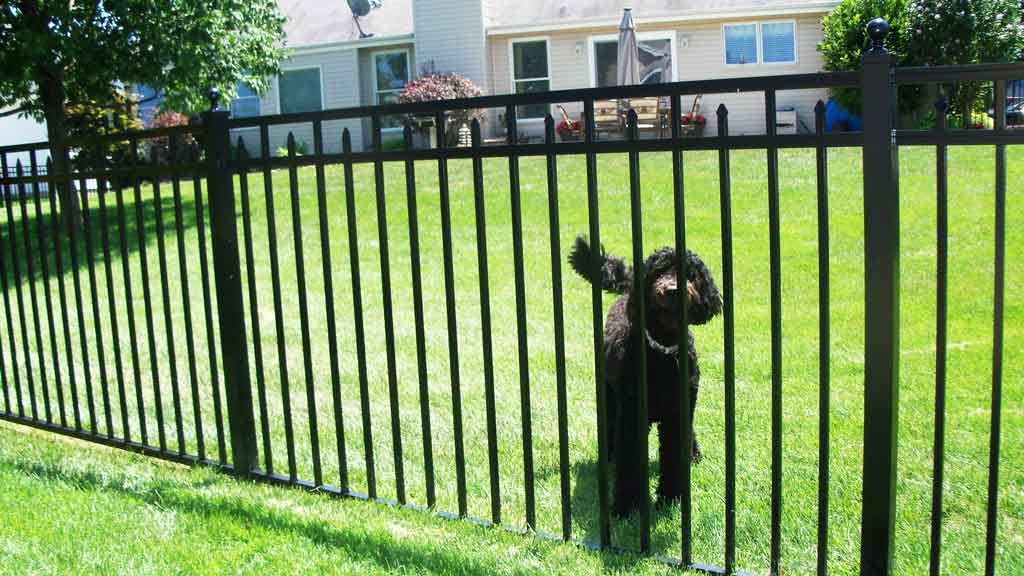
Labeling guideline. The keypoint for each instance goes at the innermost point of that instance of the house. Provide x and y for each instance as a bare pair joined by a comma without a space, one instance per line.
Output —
533,45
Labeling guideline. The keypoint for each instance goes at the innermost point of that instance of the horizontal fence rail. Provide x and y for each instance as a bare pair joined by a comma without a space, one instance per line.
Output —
136,314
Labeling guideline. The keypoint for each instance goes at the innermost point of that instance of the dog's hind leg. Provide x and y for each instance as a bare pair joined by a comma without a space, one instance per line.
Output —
629,484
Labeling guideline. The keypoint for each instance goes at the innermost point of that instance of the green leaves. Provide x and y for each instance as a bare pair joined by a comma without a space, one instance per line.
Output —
181,46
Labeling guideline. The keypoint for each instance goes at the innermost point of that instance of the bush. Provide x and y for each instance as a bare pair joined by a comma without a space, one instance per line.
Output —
942,32
433,87
116,114
300,149
846,39
161,146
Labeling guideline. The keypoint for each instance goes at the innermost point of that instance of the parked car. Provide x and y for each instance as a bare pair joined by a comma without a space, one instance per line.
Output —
1014,103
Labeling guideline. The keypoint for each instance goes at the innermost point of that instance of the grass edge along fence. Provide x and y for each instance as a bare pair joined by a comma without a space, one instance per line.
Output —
217,167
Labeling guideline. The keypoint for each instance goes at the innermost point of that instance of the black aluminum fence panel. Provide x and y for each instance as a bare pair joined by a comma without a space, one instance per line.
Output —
456,328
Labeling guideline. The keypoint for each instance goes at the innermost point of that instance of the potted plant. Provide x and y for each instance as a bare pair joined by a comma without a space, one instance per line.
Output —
693,124
568,130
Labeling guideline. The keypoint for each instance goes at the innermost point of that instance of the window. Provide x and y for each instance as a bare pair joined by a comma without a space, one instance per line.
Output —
246,102
299,91
655,51
391,74
741,44
760,43
778,42
530,74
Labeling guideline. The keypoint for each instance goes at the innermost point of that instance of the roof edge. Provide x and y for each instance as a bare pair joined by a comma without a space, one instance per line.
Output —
373,41
819,6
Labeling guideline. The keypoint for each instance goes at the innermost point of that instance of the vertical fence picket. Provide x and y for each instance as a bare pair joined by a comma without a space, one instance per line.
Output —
90,250
638,474
559,323
275,279
824,336
41,235
58,249
165,286
357,313
108,271
147,298
15,257
687,395
389,323
485,323
597,309
417,301
204,277
941,327
122,225
12,347
254,309
776,331
523,345
307,352
186,297
332,327
991,516
453,335
729,337
30,273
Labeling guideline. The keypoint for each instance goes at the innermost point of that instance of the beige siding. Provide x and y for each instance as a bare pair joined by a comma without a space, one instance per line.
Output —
340,89
450,34
702,58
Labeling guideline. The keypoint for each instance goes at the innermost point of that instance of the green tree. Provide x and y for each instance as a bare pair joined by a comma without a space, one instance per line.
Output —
942,32
845,39
57,54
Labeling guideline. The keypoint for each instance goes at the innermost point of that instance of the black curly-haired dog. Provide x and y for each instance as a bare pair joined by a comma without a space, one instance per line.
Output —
661,344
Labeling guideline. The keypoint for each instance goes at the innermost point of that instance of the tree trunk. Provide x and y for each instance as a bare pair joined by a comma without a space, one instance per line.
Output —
51,90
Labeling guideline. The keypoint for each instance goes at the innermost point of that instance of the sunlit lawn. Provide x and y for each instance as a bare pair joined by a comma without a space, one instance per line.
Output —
969,368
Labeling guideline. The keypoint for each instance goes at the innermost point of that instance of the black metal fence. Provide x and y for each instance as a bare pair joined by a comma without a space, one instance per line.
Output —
53,384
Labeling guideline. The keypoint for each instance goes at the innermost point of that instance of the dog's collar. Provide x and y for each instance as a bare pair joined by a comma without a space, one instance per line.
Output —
659,347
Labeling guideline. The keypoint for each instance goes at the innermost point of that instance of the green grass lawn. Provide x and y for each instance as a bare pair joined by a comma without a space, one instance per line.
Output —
970,347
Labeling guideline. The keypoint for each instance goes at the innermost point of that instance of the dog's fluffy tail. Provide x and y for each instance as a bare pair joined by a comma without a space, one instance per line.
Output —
616,275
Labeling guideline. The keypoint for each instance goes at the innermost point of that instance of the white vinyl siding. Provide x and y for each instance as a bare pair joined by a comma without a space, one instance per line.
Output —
699,54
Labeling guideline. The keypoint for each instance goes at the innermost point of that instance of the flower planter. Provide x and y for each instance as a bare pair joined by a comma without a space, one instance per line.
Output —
692,130
570,137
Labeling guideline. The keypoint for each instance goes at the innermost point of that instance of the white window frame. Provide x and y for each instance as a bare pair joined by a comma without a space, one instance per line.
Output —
512,68
669,35
760,44
373,65
373,71
277,84
758,40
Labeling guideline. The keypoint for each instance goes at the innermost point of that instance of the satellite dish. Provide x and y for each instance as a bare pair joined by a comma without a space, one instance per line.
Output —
359,7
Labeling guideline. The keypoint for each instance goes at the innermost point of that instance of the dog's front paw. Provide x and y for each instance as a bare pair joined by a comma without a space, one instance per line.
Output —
695,454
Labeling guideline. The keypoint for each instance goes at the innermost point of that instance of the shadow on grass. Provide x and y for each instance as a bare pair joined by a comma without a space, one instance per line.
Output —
13,227
384,550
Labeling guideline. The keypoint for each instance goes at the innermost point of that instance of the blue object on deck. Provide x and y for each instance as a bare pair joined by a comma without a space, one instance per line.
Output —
836,115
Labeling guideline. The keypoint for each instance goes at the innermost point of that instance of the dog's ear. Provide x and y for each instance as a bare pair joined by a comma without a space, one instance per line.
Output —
705,299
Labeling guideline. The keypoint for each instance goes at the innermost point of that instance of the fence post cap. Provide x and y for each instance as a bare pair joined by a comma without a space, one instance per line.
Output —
878,29
213,95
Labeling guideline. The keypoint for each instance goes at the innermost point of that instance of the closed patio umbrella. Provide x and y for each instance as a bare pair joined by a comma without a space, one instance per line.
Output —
628,56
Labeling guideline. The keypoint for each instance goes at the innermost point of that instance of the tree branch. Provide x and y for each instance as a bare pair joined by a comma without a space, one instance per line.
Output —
12,112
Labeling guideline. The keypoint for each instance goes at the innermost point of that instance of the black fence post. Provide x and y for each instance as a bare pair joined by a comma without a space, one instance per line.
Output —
227,272
882,305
